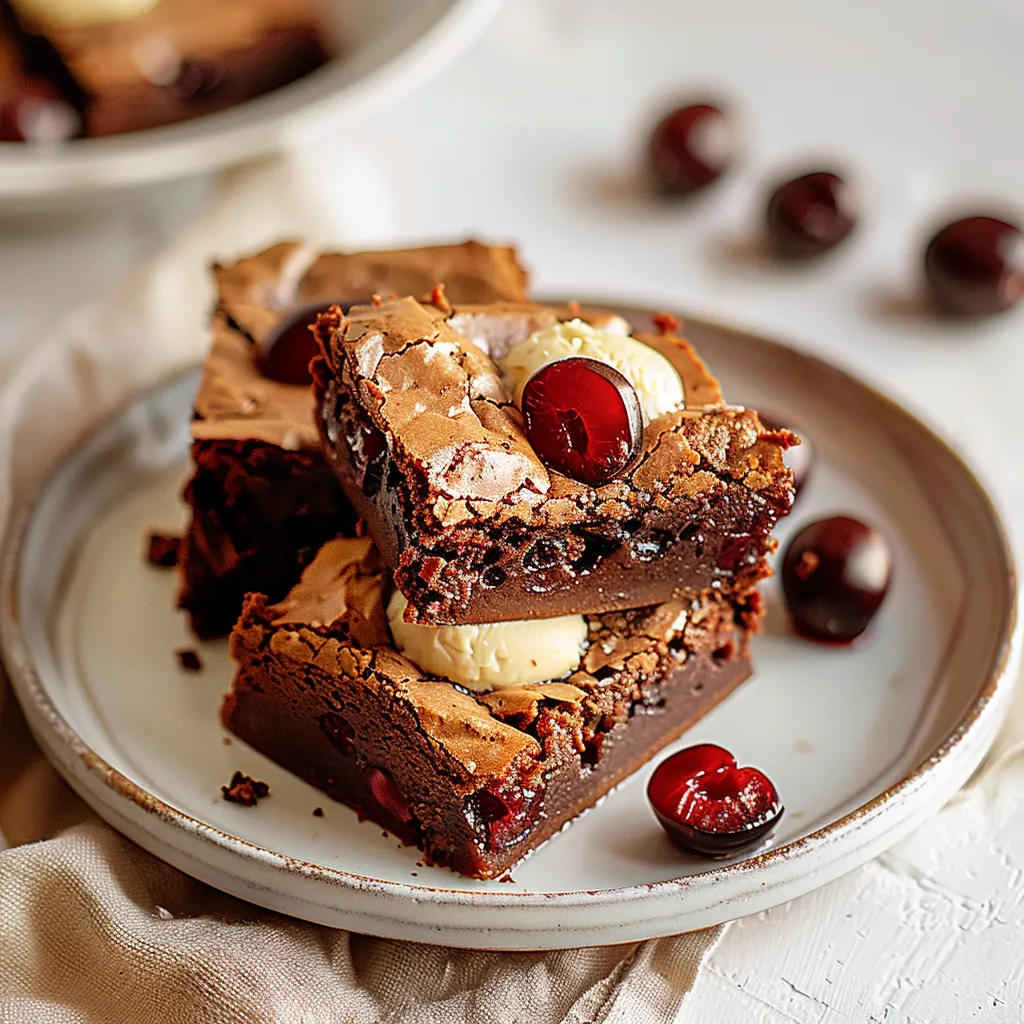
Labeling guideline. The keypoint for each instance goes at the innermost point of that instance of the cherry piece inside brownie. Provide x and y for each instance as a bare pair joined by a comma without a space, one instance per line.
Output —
420,410
476,747
262,498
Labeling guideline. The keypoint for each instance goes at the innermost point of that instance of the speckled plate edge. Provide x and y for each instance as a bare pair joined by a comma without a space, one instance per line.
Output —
508,919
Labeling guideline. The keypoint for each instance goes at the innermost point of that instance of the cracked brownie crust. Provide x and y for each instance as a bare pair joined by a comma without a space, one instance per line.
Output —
475,780
431,451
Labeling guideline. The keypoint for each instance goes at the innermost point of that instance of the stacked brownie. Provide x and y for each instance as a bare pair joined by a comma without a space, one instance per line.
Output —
143,63
262,498
508,641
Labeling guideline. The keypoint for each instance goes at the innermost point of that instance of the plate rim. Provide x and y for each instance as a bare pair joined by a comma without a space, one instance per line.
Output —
992,700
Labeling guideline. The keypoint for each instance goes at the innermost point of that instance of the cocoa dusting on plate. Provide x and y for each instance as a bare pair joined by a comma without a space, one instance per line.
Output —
245,790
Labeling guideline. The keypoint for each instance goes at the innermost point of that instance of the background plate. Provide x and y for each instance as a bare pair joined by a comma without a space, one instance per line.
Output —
389,48
862,743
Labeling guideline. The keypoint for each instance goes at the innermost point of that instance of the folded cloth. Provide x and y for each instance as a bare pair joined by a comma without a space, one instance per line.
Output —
94,929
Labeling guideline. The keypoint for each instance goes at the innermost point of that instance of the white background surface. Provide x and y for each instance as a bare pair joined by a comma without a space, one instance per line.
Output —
535,137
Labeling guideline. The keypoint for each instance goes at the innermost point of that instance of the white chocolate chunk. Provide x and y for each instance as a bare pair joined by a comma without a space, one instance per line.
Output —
656,381
493,655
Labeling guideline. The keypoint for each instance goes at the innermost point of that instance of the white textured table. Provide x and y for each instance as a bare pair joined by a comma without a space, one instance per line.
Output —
534,137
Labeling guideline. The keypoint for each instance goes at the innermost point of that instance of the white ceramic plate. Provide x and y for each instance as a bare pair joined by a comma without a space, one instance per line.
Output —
862,742
390,46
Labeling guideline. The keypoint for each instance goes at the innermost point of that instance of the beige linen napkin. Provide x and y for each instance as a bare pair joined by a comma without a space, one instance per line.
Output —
92,928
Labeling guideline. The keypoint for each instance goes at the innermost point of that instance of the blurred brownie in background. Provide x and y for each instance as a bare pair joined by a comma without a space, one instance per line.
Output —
262,498
33,107
163,61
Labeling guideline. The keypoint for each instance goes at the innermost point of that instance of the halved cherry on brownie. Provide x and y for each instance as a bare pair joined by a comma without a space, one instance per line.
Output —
583,418
710,806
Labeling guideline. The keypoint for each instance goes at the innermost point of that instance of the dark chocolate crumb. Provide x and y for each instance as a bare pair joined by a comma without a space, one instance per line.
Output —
413,873
318,812
163,550
189,659
245,790
226,740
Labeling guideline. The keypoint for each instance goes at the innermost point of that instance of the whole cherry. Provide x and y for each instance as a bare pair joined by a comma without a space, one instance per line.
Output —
691,147
711,807
835,576
975,266
582,418
810,214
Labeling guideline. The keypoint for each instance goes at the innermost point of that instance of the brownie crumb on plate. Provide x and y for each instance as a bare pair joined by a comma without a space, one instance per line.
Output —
245,790
163,550
318,812
189,659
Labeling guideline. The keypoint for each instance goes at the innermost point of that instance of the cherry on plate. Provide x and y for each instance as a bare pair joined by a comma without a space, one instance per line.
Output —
711,807
582,418
810,215
691,147
285,353
975,266
835,575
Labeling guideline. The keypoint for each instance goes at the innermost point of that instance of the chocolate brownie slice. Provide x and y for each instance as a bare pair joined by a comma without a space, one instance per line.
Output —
262,498
429,447
176,59
475,780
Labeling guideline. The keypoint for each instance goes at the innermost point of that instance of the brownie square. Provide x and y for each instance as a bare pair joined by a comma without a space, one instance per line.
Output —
262,497
475,780
431,451
179,59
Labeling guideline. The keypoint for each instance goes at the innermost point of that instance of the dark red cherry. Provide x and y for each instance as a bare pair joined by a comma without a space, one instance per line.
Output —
835,575
583,418
285,353
386,792
975,267
339,732
691,147
507,814
810,214
37,113
708,805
